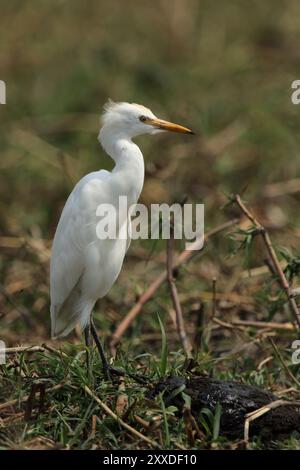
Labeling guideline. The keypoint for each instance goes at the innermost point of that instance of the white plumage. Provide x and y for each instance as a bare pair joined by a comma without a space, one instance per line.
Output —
84,267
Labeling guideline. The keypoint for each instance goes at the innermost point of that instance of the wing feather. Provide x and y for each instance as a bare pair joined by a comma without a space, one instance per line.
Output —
67,259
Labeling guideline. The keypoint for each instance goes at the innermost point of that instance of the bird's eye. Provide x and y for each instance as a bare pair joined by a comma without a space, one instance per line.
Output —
143,118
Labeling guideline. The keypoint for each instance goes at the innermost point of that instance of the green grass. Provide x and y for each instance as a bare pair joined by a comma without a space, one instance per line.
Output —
70,419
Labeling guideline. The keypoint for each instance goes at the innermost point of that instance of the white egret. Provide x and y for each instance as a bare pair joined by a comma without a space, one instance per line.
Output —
84,267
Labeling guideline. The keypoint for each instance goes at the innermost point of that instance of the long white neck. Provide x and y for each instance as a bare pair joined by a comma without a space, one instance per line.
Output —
128,159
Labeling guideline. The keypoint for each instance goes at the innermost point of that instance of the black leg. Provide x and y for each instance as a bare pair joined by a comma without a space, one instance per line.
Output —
88,343
108,369
105,364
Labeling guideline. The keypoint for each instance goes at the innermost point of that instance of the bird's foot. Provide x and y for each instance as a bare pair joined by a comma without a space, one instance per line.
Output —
109,371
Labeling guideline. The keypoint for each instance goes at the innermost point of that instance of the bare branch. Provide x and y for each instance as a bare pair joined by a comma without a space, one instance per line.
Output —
176,303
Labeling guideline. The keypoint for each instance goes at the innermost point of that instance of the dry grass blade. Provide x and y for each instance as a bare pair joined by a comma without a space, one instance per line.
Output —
119,420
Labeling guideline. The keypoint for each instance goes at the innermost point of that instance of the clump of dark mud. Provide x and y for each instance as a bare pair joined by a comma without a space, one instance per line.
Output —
236,400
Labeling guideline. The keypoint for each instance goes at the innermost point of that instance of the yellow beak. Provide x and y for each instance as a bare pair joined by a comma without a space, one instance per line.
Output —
168,126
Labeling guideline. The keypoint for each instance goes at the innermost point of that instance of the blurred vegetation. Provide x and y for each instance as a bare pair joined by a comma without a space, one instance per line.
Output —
224,69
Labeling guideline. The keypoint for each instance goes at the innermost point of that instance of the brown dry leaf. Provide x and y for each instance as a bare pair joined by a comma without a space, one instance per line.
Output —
122,400
188,424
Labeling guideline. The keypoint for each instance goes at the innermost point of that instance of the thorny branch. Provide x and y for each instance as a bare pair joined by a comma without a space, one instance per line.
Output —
276,264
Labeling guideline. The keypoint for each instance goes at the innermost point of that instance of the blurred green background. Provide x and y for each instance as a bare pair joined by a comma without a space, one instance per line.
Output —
222,68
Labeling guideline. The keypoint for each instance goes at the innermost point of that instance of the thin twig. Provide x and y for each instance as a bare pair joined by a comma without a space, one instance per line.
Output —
214,298
119,420
276,264
20,349
53,350
261,411
176,303
185,256
32,349
94,425
227,324
264,324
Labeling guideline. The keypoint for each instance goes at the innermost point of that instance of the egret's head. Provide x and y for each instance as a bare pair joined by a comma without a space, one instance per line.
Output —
131,120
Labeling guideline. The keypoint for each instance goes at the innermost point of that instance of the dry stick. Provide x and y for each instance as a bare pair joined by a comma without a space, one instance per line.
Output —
53,350
119,420
174,295
264,324
261,411
286,368
32,349
20,349
94,425
149,425
267,241
214,299
227,325
184,256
